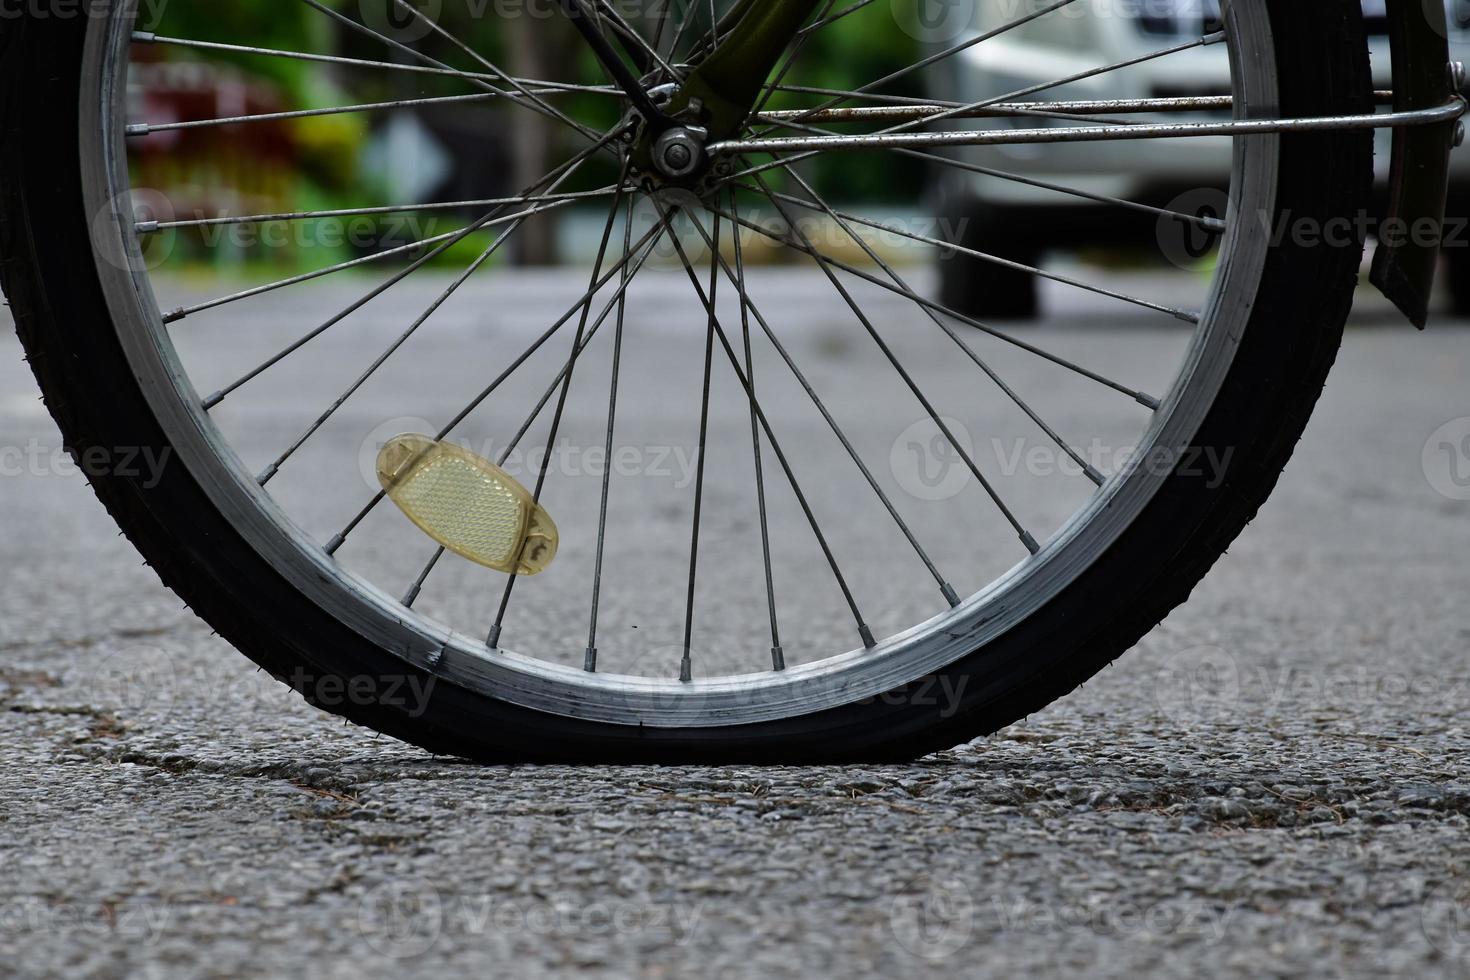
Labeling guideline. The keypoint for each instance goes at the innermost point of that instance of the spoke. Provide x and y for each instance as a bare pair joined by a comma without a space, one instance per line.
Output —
1026,537
445,243
822,21
790,61
146,129
144,37
817,25
418,583
1203,221
1207,223
629,270
895,136
627,31
149,227
1205,41
1088,469
701,48
560,174
535,102
949,52
611,62
1146,400
682,29
665,217
450,237
392,348
821,406
644,246
776,196
685,665
589,661
778,658
493,640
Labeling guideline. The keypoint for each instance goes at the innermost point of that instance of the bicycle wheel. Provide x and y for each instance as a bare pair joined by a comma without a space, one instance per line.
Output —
783,598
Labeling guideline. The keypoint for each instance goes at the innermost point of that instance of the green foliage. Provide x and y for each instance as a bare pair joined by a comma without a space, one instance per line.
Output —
845,55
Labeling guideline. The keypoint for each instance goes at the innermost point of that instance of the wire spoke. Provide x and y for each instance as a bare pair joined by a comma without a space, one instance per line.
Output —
534,102
589,661
1087,468
1026,537
392,348
493,640
1144,399
1185,315
623,29
149,227
560,174
1208,39
1203,221
827,19
629,269
434,26
145,37
441,241
790,61
644,247
900,135
837,430
778,657
949,52
666,222
147,129
686,662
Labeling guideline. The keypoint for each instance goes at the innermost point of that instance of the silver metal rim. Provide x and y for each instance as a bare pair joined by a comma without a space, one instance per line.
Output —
524,680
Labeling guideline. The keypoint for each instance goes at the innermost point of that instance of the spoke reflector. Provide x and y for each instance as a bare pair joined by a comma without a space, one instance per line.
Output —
467,503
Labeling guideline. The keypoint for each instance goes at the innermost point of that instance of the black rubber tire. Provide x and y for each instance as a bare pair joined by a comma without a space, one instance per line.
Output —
1282,361
988,290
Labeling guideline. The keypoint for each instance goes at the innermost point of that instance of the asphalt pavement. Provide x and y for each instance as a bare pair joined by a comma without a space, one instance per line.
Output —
1275,782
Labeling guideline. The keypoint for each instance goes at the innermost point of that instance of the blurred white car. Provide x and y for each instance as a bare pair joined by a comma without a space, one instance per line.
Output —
1020,221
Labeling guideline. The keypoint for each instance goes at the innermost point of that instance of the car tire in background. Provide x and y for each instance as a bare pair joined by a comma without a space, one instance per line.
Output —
987,289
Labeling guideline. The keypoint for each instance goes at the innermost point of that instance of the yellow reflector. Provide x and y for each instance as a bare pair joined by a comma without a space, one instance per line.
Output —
467,503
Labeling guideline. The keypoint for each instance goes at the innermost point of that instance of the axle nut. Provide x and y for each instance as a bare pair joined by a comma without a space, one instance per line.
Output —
677,153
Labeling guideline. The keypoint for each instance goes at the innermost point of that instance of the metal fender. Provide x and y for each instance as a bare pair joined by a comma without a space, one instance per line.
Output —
1405,262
